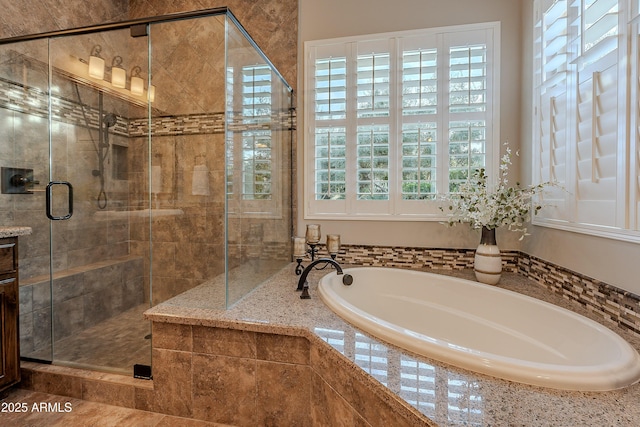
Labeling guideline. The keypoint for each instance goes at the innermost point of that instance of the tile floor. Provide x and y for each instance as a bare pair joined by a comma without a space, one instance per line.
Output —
22,408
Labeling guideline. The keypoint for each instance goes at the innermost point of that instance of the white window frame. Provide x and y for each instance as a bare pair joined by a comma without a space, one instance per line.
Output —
395,208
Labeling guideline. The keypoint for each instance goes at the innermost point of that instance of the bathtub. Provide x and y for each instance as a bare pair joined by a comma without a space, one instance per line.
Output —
483,328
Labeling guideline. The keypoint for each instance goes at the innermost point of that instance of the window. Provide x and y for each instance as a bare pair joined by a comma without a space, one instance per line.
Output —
256,142
394,120
250,148
582,81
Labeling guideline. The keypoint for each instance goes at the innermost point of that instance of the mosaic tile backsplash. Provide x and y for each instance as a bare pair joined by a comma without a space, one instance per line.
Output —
613,304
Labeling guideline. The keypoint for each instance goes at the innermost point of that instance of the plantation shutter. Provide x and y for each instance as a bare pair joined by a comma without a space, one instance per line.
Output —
447,125
596,151
256,141
585,129
552,104
634,137
372,150
251,148
329,119
421,139
469,133
385,114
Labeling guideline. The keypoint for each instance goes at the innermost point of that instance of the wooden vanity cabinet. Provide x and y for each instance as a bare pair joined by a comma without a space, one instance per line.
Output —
9,347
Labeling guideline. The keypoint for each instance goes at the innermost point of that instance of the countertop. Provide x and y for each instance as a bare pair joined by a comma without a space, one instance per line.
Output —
14,231
445,394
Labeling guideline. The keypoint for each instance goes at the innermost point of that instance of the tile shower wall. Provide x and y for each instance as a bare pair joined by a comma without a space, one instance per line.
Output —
19,130
181,261
273,24
35,16
86,240
82,297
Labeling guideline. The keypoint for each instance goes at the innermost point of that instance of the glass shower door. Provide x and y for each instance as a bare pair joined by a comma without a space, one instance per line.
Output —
98,198
74,173
136,196
25,172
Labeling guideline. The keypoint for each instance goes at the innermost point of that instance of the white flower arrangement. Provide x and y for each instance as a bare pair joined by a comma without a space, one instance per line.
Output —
482,205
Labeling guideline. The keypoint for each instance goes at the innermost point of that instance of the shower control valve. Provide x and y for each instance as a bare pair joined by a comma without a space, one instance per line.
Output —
17,180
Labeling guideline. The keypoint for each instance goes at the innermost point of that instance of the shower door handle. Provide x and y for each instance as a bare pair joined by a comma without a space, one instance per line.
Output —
48,200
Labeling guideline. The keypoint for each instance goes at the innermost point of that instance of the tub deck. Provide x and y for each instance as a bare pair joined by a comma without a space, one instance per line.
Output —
435,391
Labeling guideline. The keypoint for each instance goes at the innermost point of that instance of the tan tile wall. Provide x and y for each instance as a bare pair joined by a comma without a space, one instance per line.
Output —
238,378
231,377
273,24
249,378
35,16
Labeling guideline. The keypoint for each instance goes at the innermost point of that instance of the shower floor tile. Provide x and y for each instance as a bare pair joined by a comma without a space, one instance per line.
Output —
113,345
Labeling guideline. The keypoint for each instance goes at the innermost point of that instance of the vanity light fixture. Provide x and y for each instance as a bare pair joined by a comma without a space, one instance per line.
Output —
137,84
96,63
111,79
118,74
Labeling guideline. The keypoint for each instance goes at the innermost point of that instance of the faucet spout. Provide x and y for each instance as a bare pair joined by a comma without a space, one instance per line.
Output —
303,285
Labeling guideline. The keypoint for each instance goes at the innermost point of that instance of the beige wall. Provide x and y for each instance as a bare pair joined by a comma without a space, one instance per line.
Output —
338,18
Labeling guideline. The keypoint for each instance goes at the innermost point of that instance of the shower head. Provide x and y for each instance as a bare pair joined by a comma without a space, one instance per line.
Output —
110,120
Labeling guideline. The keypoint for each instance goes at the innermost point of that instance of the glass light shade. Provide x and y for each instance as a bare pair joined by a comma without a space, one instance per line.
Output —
152,93
96,67
299,247
313,233
333,243
137,86
118,77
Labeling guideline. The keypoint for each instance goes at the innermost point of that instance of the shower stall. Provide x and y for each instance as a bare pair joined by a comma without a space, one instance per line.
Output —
149,157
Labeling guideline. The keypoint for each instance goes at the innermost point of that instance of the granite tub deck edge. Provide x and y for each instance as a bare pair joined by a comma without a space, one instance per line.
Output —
208,318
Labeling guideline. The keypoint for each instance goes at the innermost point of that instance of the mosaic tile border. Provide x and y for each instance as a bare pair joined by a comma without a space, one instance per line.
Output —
33,101
613,304
418,258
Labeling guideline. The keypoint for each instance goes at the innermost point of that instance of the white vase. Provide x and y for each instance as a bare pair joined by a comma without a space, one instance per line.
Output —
487,263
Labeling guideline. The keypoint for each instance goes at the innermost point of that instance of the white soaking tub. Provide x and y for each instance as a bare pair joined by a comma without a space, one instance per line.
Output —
483,328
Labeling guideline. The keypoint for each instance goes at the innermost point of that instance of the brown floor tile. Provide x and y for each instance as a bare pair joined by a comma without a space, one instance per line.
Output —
22,408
